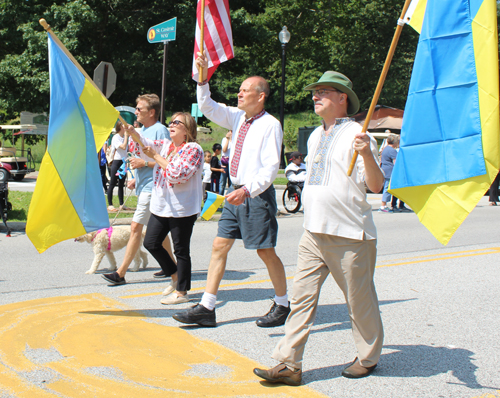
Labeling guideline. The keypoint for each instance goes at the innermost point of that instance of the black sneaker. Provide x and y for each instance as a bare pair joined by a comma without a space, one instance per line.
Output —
114,278
197,314
160,274
275,317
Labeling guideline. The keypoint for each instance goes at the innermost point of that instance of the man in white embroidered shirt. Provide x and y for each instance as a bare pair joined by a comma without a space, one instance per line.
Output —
250,209
339,236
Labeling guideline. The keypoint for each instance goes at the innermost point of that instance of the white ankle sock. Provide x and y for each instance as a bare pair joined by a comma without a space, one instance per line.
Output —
208,301
281,300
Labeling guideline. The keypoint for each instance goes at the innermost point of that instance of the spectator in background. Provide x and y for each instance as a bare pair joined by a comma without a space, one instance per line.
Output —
494,191
225,179
401,206
119,150
387,160
207,174
102,167
216,168
296,170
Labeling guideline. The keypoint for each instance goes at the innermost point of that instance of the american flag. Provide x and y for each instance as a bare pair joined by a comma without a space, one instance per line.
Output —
218,37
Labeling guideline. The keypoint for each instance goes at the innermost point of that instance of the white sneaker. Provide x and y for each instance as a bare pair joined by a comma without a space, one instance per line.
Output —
170,288
175,299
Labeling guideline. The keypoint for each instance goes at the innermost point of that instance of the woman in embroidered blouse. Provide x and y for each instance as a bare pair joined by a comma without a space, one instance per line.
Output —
175,199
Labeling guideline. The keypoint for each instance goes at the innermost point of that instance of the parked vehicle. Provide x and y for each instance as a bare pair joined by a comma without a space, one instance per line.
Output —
16,166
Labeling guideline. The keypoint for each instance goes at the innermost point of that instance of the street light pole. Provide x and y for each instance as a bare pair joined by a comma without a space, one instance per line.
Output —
284,37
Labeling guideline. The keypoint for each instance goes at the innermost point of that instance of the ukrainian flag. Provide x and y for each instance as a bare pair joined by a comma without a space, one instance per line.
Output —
211,205
68,200
450,139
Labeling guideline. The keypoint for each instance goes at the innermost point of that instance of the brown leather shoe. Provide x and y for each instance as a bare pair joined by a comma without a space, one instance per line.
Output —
280,374
356,371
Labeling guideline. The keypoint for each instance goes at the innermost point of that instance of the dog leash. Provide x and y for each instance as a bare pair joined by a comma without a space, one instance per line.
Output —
120,208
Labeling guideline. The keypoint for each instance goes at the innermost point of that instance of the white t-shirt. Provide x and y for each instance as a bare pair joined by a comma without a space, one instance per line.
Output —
228,152
207,173
334,203
296,173
116,141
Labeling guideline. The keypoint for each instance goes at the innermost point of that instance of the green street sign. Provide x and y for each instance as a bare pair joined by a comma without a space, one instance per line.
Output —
163,32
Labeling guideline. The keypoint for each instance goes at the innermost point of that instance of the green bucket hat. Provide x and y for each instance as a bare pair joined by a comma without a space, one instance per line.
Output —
340,82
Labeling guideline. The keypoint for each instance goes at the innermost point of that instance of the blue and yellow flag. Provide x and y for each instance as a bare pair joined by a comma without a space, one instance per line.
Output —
450,139
211,205
68,200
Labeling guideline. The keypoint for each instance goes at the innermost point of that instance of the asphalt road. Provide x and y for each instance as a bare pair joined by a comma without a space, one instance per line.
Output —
67,334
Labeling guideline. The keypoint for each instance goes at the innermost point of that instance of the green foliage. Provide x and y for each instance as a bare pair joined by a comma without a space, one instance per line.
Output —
20,205
350,36
292,125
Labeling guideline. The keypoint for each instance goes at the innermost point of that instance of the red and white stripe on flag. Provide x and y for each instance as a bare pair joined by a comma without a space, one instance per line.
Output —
218,37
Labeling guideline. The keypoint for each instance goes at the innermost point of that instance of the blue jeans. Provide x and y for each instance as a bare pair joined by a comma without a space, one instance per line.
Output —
224,177
386,196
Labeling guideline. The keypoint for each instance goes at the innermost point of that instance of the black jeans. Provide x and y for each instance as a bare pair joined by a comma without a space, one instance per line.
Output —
180,230
115,180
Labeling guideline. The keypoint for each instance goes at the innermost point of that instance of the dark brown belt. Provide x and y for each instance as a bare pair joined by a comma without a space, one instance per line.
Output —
238,186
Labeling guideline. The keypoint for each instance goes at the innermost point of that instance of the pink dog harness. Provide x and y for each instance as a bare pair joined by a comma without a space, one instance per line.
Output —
110,231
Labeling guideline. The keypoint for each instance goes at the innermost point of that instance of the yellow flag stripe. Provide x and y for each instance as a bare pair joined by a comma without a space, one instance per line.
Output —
100,112
51,210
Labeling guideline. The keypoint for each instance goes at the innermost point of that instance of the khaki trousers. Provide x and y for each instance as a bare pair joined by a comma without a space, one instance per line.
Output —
352,264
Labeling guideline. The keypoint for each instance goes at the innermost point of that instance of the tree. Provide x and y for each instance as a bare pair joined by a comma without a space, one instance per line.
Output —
93,31
351,36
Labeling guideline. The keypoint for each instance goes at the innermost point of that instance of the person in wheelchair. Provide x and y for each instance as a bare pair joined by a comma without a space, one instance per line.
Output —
295,172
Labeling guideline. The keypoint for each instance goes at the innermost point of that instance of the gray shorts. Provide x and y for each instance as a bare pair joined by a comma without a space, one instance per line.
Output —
253,221
142,213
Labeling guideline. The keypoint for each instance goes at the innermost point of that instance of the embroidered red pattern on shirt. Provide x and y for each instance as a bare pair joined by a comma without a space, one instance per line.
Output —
182,166
235,162
182,163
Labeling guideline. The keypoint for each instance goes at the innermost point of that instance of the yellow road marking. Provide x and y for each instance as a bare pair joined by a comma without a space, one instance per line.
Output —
443,256
91,345
403,261
489,395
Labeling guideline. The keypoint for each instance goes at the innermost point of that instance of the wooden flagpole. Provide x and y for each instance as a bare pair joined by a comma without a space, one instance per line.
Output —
47,27
381,80
202,34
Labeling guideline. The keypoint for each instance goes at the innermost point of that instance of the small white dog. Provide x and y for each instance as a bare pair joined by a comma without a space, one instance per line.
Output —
109,240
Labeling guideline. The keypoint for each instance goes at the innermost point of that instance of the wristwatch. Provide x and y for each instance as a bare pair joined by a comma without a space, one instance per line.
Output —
146,164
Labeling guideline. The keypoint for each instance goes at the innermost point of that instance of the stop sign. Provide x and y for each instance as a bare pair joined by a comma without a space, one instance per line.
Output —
105,78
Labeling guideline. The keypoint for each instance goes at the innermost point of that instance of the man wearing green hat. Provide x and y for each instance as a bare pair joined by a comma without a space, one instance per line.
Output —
339,236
